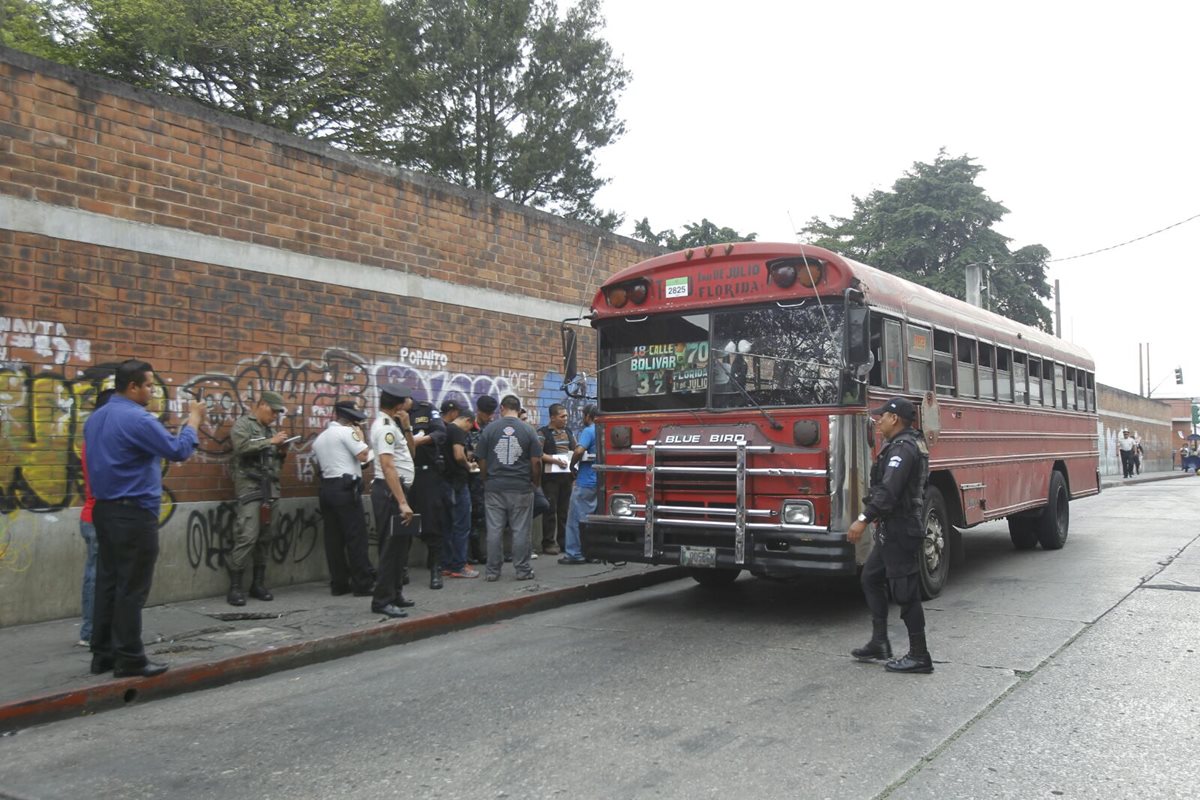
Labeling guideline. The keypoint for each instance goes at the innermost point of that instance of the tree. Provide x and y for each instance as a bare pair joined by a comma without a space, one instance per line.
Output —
309,67
695,234
513,99
932,224
29,25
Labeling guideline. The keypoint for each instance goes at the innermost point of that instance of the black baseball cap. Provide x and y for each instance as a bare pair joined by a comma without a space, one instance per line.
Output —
450,405
902,407
348,409
486,403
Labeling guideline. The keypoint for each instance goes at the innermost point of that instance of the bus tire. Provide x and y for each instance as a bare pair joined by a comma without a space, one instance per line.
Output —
712,578
1055,520
1022,532
934,556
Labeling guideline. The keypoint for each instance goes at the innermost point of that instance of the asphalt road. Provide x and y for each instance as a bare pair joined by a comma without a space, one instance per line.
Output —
1066,674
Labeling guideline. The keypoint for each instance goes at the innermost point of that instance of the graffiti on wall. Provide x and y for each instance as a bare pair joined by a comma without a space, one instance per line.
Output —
210,535
43,411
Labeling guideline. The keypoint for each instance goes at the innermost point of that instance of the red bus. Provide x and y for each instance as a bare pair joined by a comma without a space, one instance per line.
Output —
733,384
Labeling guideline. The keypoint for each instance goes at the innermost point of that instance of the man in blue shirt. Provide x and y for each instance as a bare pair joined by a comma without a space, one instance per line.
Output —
583,496
125,448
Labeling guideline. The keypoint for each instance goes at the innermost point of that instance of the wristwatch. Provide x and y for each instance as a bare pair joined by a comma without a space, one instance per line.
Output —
862,517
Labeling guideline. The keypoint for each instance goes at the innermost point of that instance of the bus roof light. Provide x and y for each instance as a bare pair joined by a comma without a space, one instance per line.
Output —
783,275
811,273
617,296
638,292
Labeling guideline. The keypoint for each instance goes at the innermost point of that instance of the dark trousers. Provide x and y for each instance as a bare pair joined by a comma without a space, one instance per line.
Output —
127,538
426,500
893,568
557,488
345,534
395,543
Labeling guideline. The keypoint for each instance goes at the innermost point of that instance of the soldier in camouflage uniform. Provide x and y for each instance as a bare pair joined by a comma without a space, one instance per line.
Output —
258,454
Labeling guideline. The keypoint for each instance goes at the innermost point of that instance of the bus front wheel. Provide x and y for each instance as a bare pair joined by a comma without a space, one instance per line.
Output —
935,546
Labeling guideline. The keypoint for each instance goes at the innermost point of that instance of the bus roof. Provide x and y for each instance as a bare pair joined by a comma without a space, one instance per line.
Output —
741,273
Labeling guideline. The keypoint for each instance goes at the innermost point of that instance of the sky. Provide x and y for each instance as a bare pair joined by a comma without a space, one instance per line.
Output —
760,115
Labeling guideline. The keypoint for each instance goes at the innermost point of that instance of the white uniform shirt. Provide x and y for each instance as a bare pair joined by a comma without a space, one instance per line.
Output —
388,439
337,449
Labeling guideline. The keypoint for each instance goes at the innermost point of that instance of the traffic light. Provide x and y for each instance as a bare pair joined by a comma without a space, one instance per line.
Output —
1179,375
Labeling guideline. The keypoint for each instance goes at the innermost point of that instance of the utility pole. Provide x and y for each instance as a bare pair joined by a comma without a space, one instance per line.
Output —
1058,309
974,279
1142,382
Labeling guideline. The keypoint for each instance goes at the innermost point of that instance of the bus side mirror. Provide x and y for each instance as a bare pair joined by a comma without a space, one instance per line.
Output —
570,365
858,336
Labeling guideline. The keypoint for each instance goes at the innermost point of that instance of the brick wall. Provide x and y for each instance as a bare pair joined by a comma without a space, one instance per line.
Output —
1148,420
235,259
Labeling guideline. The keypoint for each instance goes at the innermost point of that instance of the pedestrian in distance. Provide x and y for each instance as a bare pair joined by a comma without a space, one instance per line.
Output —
558,443
258,454
395,524
510,460
1125,445
895,503
125,446
485,411
583,495
340,453
87,530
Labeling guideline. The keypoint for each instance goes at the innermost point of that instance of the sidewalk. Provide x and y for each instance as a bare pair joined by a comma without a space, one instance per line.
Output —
209,643
1110,481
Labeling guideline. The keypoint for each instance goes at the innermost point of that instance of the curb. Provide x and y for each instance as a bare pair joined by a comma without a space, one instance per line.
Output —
121,692
1116,484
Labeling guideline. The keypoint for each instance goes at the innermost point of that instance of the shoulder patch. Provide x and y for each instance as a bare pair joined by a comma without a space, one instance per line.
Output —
389,437
895,461
355,435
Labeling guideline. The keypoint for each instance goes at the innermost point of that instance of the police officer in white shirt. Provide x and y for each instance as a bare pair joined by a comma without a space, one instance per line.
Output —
391,437
340,451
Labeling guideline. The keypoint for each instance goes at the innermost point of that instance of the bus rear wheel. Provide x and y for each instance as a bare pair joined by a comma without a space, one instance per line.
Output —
714,577
935,545
1023,532
1055,519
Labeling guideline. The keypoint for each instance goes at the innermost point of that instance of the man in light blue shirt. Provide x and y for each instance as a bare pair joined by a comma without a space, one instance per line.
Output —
583,496
125,446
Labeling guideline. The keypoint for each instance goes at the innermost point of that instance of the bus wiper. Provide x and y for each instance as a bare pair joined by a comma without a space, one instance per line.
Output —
774,424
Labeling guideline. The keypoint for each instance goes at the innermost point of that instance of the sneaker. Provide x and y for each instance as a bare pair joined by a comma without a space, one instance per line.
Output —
492,578
551,550
533,555
83,643
528,576
465,572
569,560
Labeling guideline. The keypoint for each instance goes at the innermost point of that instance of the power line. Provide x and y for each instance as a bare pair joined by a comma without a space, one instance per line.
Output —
1122,244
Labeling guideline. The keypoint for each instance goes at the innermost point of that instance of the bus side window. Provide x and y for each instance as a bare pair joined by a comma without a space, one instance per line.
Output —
943,362
987,371
1071,396
1091,392
1020,395
966,367
1004,374
1035,381
920,354
893,354
1048,396
1060,387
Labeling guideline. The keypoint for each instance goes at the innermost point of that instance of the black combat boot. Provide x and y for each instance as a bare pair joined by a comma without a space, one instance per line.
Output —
258,586
918,659
879,648
435,577
235,596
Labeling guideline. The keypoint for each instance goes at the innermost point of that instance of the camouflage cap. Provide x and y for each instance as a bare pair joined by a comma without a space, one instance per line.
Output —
274,400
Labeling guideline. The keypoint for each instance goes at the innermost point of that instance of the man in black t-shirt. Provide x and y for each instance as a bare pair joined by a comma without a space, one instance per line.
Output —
456,494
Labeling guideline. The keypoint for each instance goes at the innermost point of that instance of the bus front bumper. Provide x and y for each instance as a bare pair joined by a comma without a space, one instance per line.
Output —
774,553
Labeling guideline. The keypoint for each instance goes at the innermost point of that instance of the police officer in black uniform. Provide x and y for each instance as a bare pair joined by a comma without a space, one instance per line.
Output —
895,504
429,439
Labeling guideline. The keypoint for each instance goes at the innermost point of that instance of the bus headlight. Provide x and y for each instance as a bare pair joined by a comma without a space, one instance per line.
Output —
621,505
797,512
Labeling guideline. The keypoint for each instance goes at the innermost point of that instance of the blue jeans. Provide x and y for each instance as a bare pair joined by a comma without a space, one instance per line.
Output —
88,595
456,525
583,502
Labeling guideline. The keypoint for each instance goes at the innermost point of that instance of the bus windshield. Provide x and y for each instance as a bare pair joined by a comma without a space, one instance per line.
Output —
767,356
